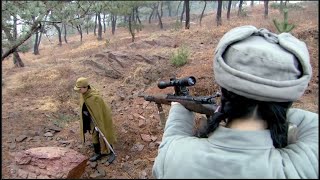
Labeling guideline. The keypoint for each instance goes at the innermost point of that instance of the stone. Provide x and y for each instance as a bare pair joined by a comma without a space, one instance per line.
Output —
137,161
141,123
23,174
12,146
48,134
137,147
95,175
93,164
36,138
21,138
101,171
130,117
154,138
152,145
126,166
143,174
136,115
145,137
49,162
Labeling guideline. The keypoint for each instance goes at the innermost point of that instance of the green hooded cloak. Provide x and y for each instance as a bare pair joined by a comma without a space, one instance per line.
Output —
100,112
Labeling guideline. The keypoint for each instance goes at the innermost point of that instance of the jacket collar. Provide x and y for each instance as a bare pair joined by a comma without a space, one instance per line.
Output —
240,139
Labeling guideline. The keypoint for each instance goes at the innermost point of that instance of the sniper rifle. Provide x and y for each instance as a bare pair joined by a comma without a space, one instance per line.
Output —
201,104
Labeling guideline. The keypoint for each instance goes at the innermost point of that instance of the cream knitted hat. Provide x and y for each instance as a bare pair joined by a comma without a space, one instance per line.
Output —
261,65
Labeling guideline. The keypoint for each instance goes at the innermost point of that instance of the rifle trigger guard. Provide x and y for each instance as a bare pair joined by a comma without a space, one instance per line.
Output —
159,107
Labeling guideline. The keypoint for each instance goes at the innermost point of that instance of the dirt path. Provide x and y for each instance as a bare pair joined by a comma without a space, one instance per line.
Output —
40,95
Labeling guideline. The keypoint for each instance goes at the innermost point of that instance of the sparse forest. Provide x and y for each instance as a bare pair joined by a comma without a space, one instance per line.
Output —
123,48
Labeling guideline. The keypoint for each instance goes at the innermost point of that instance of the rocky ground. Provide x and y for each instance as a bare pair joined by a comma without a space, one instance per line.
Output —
40,108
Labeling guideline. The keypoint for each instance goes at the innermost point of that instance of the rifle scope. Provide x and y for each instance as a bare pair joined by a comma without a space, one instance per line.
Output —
187,81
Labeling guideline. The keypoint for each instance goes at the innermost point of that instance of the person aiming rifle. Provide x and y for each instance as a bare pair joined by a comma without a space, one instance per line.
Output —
96,118
260,75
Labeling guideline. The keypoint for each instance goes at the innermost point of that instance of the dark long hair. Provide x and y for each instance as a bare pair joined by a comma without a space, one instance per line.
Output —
235,106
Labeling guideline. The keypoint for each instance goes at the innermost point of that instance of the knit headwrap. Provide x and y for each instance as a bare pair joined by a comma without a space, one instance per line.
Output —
261,65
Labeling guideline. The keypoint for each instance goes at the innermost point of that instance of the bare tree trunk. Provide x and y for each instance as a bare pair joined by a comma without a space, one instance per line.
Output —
161,11
99,27
87,27
159,17
184,7
187,26
113,23
151,15
35,46
169,7
104,23
266,2
59,33
95,24
41,32
219,10
16,58
229,8
130,28
240,7
80,31
65,33
205,5
15,44
178,8
137,15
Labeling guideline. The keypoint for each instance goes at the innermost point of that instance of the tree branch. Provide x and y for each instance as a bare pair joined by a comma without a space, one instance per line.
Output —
36,26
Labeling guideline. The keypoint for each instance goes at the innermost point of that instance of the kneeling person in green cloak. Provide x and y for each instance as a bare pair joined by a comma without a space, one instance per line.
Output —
93,108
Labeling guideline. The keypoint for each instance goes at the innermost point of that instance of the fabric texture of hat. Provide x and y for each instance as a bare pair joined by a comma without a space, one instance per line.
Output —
261,65
81,82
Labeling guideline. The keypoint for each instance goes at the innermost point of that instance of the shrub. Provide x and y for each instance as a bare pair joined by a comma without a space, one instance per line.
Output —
177,25
288,6
62,119
24,47
244,12
283,26
181,57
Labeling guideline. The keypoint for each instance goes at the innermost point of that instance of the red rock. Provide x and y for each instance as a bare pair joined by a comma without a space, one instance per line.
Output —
50,162
141,123
145,137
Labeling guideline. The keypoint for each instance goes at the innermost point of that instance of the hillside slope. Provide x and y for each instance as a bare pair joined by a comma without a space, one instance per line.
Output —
41,94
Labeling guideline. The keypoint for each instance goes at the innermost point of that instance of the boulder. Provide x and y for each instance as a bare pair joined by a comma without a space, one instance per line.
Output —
50,162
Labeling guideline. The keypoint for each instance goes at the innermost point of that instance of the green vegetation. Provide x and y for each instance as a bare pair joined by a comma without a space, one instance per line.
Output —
283,26
275,5
244,12
177,25
25,47
181,57
62,119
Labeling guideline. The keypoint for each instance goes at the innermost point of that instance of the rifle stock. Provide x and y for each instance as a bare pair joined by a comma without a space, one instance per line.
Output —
199,104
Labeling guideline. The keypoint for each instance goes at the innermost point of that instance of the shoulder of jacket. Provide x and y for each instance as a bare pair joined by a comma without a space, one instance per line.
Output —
300,113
